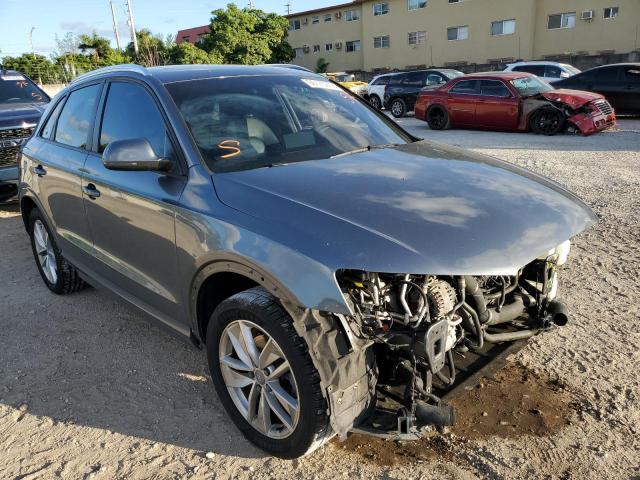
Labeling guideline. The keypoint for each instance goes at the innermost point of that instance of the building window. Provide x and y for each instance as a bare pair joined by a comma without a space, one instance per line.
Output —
352,15
455,1
298,52
294,25
380,9
417,38
381,42
416,4
562,20
611,12
503,27
353,46
328,47
315,19
327,17
316,48
458,33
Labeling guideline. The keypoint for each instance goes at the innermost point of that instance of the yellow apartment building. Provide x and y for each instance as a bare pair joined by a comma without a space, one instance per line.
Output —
371,35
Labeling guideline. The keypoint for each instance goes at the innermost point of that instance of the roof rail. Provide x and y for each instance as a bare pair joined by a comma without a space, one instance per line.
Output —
124,67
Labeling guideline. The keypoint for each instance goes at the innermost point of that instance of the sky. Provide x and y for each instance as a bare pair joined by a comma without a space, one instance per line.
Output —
57,17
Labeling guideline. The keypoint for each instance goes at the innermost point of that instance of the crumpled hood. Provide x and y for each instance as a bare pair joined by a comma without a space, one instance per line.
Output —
573,98
19,114
417,208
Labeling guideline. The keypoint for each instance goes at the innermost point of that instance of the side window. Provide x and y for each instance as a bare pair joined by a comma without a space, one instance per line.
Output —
467,87
493,88
535,69
51,121
434,79
552,71
77,117
415,78
605,75
130,112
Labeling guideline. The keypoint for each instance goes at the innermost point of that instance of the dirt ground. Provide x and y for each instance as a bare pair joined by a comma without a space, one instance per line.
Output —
89,389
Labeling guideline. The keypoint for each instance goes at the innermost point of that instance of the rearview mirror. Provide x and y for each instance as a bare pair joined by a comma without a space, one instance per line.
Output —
134,154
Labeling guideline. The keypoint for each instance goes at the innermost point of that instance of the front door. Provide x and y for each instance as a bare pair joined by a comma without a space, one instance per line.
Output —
131,213
497,107
462,100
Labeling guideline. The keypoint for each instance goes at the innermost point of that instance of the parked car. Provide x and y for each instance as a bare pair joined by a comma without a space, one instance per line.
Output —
329,263
21,104
376,88
348,81
402,91
513,101
548,71
619,83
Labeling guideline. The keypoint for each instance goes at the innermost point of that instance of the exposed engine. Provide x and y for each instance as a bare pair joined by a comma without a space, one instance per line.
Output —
423,325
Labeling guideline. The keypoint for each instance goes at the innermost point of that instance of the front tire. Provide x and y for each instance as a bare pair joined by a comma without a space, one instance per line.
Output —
398,108
264,376
375,102
547,121
57,273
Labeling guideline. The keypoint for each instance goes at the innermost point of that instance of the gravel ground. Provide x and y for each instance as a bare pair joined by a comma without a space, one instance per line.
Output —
89,389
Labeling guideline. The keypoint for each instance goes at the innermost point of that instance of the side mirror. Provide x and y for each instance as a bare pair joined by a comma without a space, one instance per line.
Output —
134,154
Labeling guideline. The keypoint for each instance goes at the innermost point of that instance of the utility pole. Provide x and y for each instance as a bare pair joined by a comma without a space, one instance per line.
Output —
288,6
115,24
33,50
250,4
132,26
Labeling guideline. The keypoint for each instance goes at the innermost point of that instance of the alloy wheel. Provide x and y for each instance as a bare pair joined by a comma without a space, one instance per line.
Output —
436,119
375,102
259,379
397,109
45,252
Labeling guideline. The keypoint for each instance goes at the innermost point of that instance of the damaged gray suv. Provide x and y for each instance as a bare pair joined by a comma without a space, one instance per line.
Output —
341,274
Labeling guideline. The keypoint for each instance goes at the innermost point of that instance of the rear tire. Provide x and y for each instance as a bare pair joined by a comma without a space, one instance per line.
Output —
437,118
244,380
57,273
547,121
375,102
398,108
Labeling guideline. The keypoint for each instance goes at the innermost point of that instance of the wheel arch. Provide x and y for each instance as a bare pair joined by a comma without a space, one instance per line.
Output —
221,279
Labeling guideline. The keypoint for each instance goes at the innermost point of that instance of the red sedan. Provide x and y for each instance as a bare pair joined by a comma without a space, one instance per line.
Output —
513,101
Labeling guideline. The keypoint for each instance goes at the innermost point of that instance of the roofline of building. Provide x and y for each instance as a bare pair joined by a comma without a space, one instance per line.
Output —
324,9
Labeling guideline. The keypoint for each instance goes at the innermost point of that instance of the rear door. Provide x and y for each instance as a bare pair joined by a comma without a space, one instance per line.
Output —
55,162
412,83
497,107
132,213
462,100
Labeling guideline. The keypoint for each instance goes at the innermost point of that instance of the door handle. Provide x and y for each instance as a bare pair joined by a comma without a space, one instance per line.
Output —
39,170
91,191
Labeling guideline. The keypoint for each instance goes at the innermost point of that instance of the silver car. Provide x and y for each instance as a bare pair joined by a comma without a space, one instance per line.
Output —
340,274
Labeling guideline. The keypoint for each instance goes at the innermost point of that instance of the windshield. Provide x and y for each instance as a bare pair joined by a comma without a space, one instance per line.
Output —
16,88
255,121
532,85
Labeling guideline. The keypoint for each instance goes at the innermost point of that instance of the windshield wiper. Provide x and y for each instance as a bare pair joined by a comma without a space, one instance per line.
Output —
368,148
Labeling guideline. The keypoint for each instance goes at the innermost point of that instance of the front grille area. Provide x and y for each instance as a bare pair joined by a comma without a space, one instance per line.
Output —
9,155
9,133
603,106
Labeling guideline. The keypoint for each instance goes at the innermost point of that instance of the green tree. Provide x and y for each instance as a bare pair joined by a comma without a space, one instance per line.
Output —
38,67
187,53
322,65
247,36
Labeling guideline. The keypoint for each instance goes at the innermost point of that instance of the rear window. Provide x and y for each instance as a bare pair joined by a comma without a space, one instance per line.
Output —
76,118
250,122
467,87
16,88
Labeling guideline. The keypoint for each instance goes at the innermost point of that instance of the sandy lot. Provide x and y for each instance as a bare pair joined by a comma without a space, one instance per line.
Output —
89,389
